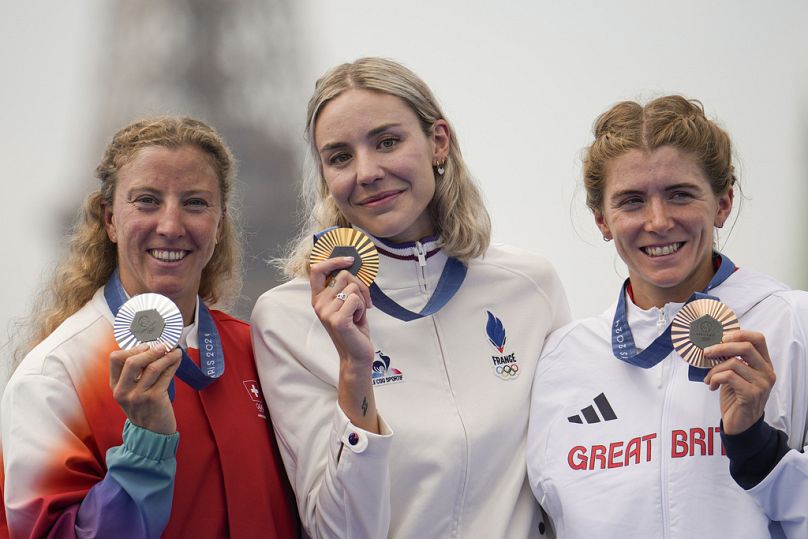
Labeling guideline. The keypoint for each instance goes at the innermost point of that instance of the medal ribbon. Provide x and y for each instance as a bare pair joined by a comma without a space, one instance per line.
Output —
211,357
453,275
623,346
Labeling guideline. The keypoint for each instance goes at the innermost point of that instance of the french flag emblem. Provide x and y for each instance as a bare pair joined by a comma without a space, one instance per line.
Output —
496,332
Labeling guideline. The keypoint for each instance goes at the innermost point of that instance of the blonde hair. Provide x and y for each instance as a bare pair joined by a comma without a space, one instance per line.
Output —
92,257
666,121
457,210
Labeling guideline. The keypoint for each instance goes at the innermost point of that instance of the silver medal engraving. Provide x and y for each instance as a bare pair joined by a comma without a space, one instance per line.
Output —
147,325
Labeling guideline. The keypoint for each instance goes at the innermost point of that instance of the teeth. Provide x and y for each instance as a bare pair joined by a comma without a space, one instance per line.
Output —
664,250
167,256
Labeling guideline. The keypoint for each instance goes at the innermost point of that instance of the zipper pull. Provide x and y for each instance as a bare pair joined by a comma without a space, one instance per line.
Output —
662,322
421,253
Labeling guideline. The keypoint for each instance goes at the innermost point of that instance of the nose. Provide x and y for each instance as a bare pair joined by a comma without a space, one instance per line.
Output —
368,168
657,217
170,222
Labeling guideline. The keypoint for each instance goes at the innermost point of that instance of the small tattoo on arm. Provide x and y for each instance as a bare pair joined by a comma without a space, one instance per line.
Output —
364,406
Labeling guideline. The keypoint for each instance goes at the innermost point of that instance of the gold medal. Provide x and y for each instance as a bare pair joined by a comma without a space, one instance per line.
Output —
699,324
348,242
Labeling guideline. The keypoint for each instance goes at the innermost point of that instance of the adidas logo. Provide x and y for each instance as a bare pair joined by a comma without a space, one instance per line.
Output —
591,416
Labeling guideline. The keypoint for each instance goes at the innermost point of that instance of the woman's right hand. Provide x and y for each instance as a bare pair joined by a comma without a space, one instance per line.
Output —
341,304
345,319
139,379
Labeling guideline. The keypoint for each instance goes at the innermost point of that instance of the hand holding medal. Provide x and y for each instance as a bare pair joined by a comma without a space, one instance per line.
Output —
337,293
147,328
706,333
745,381
340,300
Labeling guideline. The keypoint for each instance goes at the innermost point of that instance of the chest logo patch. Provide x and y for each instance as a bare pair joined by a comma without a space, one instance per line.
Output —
382,372
591,416
505,365
254,391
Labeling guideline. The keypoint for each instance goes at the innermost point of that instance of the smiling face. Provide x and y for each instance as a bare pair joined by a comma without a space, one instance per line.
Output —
377,163
165,219
659,209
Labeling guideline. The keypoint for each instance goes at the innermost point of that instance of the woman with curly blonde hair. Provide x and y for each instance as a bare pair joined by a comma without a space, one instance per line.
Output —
442,362
161,222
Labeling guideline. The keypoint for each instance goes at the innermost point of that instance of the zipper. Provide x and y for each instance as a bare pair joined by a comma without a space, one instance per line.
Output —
664,431
456,521
662,323
420,252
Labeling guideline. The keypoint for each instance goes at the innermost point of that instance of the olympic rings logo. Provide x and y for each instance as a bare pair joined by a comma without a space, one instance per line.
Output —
511,370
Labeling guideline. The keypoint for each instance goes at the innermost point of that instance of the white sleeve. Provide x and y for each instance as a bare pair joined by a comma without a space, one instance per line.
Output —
783,493
784,496
340,473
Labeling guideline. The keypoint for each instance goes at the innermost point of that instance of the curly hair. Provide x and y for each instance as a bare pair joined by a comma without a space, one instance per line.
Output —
461,221
666,121
92,257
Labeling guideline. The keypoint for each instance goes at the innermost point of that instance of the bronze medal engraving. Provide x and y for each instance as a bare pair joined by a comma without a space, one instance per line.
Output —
699,324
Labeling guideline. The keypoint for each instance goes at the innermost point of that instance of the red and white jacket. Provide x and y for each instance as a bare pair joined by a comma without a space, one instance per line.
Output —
59,420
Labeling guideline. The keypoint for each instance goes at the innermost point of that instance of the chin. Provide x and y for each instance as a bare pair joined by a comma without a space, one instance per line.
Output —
170,290
385,232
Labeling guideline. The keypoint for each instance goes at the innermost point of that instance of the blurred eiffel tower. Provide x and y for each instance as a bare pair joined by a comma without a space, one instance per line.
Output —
232,64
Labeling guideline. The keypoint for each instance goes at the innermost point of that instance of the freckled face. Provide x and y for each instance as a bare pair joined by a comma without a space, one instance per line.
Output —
377,163
165,219
660,210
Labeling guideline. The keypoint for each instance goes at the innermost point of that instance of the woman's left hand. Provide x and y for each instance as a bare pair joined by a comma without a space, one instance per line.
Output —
745,379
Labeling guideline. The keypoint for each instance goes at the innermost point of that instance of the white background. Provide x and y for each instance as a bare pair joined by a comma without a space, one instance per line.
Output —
522,82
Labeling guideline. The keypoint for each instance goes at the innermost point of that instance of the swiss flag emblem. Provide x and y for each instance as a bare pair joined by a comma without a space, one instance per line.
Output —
253,389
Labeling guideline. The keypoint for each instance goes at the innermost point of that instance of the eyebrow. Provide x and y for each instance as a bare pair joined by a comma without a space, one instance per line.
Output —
372,133
152,190
674,187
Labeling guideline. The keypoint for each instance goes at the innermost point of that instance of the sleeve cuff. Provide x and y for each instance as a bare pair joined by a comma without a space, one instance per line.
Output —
359,440
754,452
148,444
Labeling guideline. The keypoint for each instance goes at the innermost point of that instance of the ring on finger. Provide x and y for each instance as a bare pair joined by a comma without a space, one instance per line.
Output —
341,296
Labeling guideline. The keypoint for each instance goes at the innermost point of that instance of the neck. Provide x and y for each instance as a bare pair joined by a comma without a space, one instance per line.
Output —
647,295
188,310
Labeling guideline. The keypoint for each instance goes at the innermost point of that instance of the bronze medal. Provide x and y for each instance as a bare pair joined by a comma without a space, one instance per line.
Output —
699,324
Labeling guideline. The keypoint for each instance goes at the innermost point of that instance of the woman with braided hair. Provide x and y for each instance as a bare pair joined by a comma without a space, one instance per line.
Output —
627,439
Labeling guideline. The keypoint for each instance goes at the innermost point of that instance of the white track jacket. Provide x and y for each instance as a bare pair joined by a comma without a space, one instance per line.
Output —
616,450
453,395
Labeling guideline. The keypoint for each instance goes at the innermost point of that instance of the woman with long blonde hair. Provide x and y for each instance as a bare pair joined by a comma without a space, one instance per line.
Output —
401,407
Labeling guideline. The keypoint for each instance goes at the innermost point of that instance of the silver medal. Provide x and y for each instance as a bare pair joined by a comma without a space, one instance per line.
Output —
148,318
